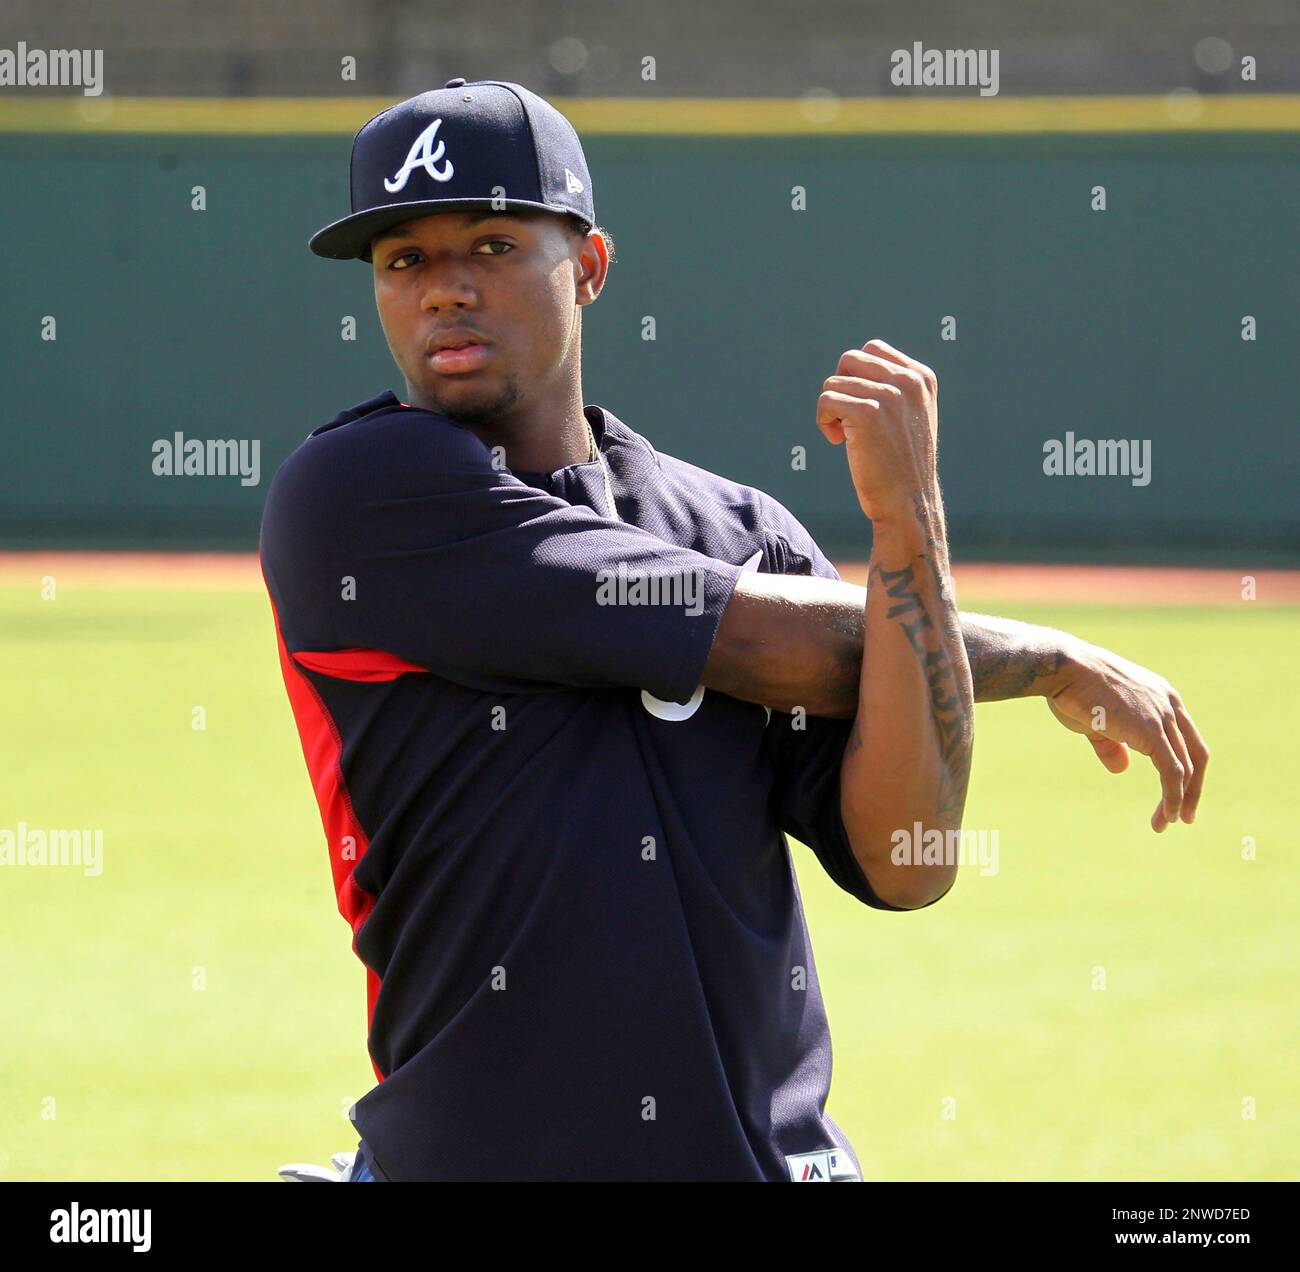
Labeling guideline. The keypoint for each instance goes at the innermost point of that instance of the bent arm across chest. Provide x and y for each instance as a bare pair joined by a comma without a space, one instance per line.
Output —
791,641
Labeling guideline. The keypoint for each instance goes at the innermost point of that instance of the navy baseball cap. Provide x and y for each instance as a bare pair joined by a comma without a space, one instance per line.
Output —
485,144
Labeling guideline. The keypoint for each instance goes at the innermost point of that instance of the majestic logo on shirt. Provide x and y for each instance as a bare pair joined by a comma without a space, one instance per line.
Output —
421,155
824,1167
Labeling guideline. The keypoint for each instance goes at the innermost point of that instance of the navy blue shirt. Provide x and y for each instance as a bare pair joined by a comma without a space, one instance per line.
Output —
564,863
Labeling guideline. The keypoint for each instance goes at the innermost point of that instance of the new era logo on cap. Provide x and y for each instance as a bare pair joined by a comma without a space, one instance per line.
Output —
572,184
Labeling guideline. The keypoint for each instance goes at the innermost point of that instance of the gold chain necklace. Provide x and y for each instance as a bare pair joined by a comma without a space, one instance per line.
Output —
610,506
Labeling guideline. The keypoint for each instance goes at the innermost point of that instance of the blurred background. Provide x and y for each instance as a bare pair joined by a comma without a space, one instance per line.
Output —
1105,248
732,48
960,227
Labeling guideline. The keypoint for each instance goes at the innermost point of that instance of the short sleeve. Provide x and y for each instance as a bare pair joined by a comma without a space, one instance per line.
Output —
398,535
806,796
806,760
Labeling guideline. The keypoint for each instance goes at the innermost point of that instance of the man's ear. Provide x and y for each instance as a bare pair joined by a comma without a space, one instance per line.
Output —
591,267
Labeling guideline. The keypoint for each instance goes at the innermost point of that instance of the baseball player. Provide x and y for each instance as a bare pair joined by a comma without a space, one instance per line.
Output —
562,697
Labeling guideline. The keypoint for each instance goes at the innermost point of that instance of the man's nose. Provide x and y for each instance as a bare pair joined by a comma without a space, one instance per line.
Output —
448,283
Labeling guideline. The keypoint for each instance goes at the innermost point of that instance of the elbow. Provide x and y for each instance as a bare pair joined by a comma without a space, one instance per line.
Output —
904,871
912,894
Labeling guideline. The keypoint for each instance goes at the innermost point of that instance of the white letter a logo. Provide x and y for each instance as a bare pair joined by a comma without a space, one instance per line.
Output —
421,155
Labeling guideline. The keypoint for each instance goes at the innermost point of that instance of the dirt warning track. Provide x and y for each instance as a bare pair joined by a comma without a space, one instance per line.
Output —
1044,584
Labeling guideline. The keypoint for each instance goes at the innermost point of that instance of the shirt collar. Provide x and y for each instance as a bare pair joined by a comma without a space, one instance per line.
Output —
606,429
610,433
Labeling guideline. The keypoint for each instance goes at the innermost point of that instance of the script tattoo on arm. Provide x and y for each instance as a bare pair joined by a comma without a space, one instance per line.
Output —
949,711
1007,658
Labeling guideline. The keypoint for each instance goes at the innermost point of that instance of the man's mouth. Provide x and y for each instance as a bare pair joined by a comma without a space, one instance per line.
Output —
456,359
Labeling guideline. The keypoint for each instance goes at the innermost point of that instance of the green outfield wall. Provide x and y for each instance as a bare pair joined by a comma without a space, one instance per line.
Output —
1123,324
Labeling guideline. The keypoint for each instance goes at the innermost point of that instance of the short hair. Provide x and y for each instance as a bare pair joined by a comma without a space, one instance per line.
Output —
580,229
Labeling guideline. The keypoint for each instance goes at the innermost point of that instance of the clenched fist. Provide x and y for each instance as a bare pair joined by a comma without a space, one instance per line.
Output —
884,407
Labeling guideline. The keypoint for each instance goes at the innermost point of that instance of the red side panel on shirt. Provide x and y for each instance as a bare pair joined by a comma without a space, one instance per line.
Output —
322,748
370,665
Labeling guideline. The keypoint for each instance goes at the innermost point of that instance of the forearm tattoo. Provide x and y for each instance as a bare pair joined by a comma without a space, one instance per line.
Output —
949,709
1001,670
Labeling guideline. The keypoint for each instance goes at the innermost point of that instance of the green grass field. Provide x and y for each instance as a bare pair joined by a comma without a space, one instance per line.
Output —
195,1012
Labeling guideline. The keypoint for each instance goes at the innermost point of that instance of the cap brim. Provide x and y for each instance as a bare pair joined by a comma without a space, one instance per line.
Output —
350,238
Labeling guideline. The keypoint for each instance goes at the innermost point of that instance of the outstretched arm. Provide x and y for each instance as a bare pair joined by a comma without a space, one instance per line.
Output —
788,641
793,640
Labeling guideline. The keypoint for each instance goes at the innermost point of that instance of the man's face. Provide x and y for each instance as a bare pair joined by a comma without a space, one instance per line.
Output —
508,284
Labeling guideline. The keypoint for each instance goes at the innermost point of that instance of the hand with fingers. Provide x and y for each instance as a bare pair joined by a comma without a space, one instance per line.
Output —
1119,705
884,407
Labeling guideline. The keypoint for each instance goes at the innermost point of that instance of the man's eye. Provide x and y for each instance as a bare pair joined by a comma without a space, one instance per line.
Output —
396,262
496,243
